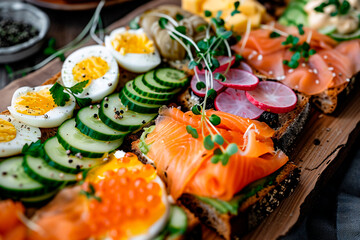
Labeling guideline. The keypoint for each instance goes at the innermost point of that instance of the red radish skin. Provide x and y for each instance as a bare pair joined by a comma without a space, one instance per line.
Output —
201,93
273,97
223,61
246,67
241,80
235,102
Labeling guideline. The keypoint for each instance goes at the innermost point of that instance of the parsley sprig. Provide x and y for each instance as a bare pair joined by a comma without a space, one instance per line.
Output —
301,51
342,7
61,94
35,149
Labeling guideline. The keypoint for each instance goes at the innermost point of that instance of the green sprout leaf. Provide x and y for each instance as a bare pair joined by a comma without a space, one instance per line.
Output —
211,93
208,143
192,64
218,14
274,35
134,24
215,119
231,149
179,17
225,159
90,193
207,13
222,33
218,151
196,109
220,76
301,29
163,22
215,62
83,102
219,139
200,28
58,94
215,159
200,85
192,131
181,29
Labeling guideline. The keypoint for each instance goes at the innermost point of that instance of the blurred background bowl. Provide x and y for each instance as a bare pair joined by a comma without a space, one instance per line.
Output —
28,14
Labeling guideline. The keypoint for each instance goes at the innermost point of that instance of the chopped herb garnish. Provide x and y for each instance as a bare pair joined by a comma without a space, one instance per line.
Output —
274,35
207,13
163,22
61,94
342,7
220,76
90,193
200,85
208,143
179,17
235,11
196,109
215,119
35,149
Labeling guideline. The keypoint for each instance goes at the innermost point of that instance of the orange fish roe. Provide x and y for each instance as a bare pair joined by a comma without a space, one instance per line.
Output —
130,203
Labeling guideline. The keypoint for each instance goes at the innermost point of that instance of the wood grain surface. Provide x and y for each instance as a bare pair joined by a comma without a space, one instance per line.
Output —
321,148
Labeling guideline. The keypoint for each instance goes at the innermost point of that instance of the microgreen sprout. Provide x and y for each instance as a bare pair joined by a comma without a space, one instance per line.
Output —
205,58
342,7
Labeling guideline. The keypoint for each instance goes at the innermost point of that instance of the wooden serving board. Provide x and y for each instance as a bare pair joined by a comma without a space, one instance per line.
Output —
321,148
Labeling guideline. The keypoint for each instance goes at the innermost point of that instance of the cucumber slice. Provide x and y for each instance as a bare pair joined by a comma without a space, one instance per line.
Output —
89,123
150,82
55,156
130,120
345,37
129,90
178,221
138,106
72,139
145,91
15,182
38,169
38,200
171,77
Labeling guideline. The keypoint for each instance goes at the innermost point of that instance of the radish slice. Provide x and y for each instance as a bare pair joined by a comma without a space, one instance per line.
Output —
201,93
223,61
246,67
240,79
235,102
273,97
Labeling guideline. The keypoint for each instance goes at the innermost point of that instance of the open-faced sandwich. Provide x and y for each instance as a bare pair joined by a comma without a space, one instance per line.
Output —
210,97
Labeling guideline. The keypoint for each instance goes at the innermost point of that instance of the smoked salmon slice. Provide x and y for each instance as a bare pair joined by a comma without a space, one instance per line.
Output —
184,163
331,66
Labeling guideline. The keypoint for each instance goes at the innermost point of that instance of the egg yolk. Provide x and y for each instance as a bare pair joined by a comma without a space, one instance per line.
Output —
7,131
35,103
89,69
132,43
130,200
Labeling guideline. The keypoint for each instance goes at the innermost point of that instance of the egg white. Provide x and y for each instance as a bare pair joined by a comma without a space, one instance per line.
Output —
52,118
100,87
24,134
134,62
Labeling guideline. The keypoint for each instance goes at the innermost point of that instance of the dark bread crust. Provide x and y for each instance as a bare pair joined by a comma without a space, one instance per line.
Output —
251,212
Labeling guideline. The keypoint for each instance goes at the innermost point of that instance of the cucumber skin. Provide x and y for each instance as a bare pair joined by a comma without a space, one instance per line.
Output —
156,89
165,96
143,99
95,134
167,84
75,150
41,179
134,107
53,164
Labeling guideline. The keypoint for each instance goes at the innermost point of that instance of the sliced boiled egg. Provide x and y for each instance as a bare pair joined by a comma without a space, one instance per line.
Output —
133,50
14,135
95,64
36,107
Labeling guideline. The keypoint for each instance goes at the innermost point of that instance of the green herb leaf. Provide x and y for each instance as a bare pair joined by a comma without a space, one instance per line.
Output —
181,29
196,109
192,131
218,151
35,149
211,93
58,94
220,76
218,14
236,5
200,28
312,52
200,85
215,120
274,35
225,159
179,17
231,149
79,87
134,24
192,64
215,63
215,159
208,143
83,102
8,69
234,12
219,139
163,22
90,193
222,33
301,29
207,13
